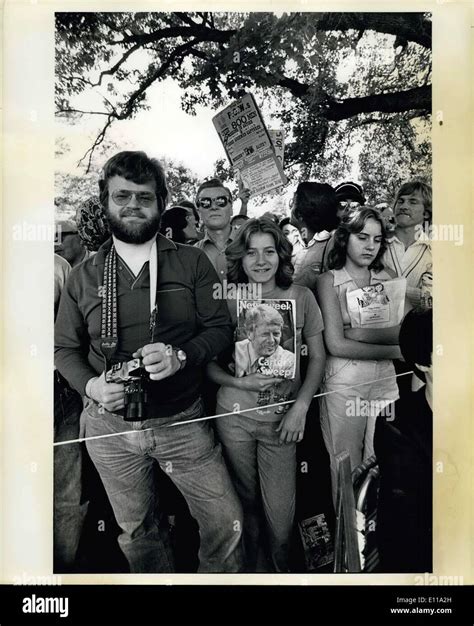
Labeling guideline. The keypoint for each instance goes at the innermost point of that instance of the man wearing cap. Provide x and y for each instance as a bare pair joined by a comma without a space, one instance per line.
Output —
349,195
145,298
214,203
70,245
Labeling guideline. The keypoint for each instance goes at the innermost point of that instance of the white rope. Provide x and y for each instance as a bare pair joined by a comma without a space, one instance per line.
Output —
213,417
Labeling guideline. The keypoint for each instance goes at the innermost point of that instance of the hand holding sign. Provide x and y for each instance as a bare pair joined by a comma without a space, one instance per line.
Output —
244,193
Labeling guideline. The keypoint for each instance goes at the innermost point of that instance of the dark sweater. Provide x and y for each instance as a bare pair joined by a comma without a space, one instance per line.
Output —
189,317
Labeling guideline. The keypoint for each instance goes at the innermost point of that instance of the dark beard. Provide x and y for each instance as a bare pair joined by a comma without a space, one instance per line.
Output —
134,233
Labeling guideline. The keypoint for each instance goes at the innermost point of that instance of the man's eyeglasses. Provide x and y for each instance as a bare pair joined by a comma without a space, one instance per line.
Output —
123,196
220,201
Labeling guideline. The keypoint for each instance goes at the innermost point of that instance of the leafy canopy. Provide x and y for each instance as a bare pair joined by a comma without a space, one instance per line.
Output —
336,82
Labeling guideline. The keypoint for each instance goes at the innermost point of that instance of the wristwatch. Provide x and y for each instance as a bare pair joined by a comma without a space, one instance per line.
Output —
181,356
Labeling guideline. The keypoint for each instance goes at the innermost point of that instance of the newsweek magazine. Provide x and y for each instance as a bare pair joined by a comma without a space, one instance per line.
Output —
265,343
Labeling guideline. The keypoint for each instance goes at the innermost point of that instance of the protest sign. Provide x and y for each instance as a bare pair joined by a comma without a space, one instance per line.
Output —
248,145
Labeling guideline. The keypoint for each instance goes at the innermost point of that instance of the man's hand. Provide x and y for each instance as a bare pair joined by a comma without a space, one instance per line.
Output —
159,360
291,427
109,395
244,194
257,382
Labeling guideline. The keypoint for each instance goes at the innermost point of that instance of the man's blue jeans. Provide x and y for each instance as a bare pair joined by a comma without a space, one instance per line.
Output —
190,457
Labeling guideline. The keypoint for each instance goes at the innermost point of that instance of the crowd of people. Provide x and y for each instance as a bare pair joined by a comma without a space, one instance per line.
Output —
146,348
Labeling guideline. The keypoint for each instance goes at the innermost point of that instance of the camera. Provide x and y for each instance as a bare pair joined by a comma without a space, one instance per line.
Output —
134,376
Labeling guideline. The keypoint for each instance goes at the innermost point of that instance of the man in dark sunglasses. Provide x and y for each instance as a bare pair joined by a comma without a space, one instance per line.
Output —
214,203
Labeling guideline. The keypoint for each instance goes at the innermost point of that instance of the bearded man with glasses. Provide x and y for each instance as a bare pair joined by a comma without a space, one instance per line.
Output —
214,203
146,300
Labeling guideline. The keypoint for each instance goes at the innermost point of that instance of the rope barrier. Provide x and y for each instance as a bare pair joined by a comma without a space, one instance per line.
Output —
212,417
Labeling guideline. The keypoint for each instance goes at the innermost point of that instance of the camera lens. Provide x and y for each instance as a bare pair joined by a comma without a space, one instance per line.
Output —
135,401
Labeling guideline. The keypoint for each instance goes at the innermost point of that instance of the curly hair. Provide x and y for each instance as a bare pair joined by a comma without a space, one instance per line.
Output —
351,224
236,251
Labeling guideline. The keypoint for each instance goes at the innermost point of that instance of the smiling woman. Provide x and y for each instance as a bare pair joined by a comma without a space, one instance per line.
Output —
260,442
261,261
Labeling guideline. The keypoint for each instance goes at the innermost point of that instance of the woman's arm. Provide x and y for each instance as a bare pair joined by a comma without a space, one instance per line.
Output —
292,425
374,335
336,343
315,371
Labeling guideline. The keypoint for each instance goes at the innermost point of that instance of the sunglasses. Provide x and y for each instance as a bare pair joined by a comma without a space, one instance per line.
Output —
349,204
220,201
123,196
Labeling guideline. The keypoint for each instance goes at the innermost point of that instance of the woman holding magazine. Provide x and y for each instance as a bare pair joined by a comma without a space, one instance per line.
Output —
273,317
356,287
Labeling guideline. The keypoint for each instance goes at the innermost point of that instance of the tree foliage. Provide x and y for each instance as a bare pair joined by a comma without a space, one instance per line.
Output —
323,77
73,190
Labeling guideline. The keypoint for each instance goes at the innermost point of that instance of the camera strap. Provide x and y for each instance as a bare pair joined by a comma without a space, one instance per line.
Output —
153,270
108,331
109,324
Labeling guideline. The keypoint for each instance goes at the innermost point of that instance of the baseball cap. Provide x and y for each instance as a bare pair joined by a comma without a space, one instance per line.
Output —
350,191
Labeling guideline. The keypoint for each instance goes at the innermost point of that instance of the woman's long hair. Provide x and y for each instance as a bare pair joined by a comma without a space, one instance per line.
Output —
352,223
236,251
